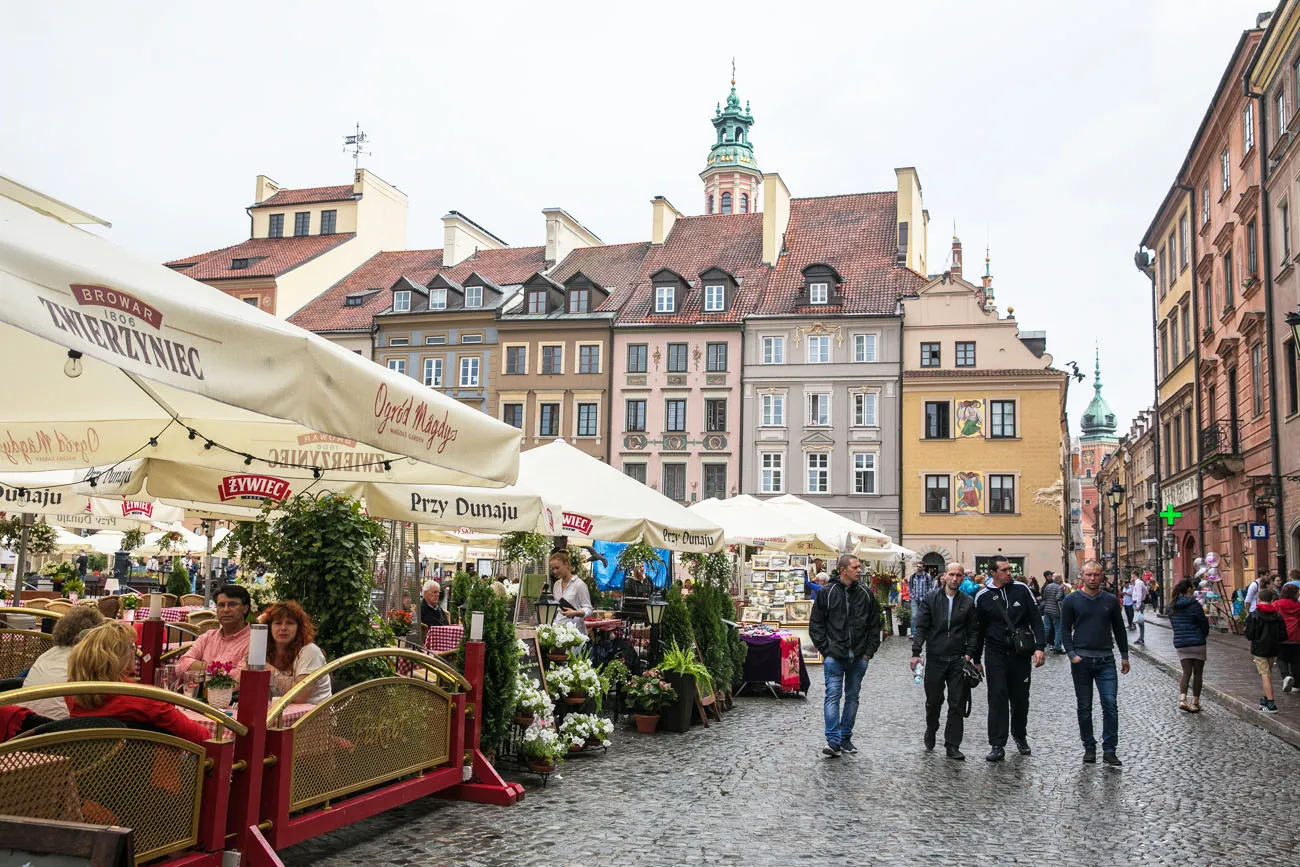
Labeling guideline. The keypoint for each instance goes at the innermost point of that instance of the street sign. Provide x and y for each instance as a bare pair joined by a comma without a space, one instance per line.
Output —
1258,531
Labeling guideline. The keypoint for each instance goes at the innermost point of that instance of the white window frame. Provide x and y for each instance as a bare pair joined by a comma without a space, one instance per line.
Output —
862,401
818,293
1225,168
399,341
771,410
474,296
471,338
859,462
823,472
397,365
823,341
664,296
814,398
715,298
771,472
438,299
433,368
435,340
471,365
773,349
1248,126
402,301
860,345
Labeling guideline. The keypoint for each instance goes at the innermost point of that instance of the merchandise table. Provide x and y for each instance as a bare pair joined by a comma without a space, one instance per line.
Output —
776,658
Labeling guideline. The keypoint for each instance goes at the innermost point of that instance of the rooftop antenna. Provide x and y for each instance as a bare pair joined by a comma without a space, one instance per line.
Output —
357,144
733,71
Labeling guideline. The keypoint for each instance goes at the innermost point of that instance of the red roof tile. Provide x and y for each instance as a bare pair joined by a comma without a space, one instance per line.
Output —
966,371
508,267
616,267
308,196
269,257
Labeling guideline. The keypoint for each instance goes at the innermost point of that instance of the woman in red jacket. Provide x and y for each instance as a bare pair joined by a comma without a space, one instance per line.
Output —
1288,655
107,653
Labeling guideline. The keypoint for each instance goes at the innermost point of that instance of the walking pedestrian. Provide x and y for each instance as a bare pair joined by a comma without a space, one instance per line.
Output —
1156,596
1127,595
1191,627
1288,654
1252,595
845,629
1266,631
919,586
1053,594
947,628
1138,590
1090,620
1012,632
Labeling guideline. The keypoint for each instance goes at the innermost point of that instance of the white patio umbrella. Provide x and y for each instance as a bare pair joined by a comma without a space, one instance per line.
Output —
602,503
848,534
746,520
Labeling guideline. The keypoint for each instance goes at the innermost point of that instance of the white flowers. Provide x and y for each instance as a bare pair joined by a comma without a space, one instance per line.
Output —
541,743
578,728
534,700
576,677
560,637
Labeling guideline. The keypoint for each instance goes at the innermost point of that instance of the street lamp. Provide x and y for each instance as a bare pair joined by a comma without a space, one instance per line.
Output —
654,614
546,609
1116,496
1293,322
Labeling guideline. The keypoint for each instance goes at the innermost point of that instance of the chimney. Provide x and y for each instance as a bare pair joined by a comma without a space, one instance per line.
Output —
462,238
776,217
265,189
664,215
913,221
564,234
956,257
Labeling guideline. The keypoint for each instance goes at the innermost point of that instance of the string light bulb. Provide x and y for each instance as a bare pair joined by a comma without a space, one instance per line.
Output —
72,367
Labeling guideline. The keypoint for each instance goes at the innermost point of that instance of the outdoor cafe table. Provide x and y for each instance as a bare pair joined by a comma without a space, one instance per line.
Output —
169,615
291,714
440,639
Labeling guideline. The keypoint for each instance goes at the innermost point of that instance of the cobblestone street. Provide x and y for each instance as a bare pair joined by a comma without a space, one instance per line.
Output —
755,790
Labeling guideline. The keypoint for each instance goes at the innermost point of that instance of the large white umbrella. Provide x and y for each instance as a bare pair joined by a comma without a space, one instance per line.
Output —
848,534
602,503
749,521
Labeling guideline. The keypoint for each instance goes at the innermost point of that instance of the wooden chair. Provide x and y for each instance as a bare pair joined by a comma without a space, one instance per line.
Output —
192,599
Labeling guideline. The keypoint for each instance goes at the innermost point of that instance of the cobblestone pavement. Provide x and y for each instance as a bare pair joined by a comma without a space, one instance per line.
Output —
754,790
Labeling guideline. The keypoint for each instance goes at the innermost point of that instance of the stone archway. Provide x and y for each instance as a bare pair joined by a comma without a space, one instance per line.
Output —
934,562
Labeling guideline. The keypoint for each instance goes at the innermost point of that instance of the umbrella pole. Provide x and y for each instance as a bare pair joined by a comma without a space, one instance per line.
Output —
420,577
20,565
208,530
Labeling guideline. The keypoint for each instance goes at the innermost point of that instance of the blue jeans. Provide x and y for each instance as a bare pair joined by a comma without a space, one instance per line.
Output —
842,679
1101,671
1052,630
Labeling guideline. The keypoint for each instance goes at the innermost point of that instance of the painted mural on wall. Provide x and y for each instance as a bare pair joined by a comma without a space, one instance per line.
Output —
970,493
970,418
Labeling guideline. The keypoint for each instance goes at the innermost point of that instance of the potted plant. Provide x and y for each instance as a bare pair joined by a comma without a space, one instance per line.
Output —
220,684
574,681
541,747
557,640
585,730
399,620
130,602
647,694
636,556
532,702
686,675
74,587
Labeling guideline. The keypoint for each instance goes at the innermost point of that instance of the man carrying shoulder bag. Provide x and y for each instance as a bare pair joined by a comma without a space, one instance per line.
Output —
1011,631
946,626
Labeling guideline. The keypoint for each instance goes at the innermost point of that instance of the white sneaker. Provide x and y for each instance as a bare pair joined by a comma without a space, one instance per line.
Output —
1288,683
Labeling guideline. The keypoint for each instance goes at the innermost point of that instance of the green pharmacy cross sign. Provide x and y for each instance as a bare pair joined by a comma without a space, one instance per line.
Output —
1170,515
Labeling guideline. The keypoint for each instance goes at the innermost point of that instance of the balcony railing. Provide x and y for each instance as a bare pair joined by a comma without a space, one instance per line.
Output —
1220,438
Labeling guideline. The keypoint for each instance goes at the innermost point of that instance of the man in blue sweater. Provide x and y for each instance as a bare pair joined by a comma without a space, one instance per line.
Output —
1090,619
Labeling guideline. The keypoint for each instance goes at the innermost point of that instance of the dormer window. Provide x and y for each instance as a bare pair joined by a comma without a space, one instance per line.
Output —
473,296
275,228
402,301
664,297
537,301
238,264
438,299
822,287
715,298
579,300
354,301
817,293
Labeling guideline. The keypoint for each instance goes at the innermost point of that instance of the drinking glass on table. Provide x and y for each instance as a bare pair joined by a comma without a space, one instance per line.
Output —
171,677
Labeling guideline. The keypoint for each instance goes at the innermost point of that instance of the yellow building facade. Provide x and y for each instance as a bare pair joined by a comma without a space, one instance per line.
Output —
983,433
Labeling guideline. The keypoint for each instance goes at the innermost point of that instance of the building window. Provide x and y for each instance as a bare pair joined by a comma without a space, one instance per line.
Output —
513,414
239,265
664,299
276,227
929,355
1252,253
399,341
1292,377
1279,102
1162,275
636,358
773,410
302,223
537,301
774,350
1229,277
1225,169
771,476
1002,419
675,415
1205,203
864,473
716,358
819,410
552,359
473,296
864,347
471,338
744,203
819,349
819,473
726,203
1211,405
936,493
1177,438
587,418
1002,495
677,358
402,301
1172,271
548,422
715,475
1173,336
636,416
1187,328
252,301
937,418
588,359
635,471
433,372
397,364
579,299
1209,301
715,415
517,359
438,299
674,486
865,406
1182,240
1248,126
965,356
715,298
328,220
710,210
817,293
436,340
469,372
1257,378
1284,223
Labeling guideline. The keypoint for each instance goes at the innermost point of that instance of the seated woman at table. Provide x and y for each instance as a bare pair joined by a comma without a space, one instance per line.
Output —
107,653
291,652
431,612
52,665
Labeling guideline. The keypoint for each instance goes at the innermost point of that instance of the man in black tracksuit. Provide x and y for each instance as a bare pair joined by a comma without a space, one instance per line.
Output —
946,624
1008,673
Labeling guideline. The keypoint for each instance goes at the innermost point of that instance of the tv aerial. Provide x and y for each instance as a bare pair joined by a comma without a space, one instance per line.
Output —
356,144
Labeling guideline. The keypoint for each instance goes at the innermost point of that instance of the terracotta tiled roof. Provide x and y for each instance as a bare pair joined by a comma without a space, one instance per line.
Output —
308,196
616,267
855,234
269,257
966,371
508,267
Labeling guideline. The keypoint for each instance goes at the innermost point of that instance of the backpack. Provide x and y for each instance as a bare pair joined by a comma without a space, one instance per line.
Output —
1265,634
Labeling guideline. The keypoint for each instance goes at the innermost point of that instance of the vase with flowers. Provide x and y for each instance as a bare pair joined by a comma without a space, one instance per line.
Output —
541,746
220,684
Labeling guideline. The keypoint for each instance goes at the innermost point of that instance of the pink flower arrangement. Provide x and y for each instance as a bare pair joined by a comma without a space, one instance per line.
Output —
219,675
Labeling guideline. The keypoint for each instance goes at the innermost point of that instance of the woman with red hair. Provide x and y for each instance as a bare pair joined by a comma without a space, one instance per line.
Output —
291,652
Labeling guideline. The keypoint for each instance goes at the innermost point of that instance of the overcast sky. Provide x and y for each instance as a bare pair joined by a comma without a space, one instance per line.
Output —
1051,129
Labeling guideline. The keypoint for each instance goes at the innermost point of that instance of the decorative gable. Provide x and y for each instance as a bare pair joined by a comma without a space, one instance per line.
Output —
821,287
669,292
718,289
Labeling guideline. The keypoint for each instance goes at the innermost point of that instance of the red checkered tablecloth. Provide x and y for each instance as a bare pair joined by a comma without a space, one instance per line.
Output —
169,615
613,625
291,714
440,639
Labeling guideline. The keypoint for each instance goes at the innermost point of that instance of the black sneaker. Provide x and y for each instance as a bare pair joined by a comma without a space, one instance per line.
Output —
1089,755
1111,759
929,741
1263,703
996,754
1271,707
831,751
847,747
954,753
1022,744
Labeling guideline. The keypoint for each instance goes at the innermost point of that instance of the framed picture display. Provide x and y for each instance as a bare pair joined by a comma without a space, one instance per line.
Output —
798,611
799,560
779,561
751,614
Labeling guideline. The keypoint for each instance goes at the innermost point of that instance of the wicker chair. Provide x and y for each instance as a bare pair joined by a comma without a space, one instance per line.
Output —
61,606
206,626
193,599
42,604
169,600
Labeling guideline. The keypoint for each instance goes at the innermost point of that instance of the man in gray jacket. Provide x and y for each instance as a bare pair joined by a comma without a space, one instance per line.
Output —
1053,593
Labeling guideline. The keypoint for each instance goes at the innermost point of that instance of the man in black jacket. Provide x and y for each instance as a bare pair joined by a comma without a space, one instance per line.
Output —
946,624
1003,599
845,629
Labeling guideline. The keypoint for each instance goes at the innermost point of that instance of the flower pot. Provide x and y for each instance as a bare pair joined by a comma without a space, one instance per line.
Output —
594,742
557,656
220,698
72,597
575,748
677,716
576,698
540,767
646,722
524,721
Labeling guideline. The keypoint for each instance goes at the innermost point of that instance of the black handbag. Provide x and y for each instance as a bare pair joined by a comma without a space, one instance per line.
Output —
971,678
1023,642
